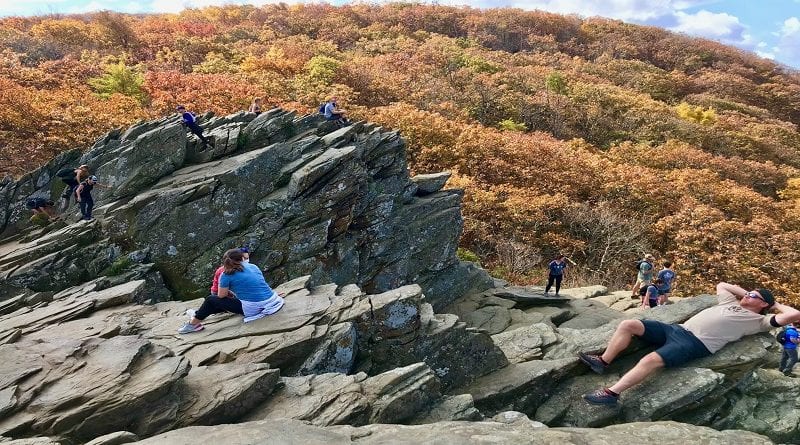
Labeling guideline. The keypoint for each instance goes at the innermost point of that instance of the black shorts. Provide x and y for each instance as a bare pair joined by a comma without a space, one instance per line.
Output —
675,344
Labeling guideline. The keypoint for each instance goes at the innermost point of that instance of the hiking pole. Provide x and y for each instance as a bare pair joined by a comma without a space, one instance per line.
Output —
570,260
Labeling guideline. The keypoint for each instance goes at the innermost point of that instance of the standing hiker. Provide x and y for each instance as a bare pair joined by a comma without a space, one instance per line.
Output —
738,313
555,274
667,276
254,298
84,196
190,121
644,274
789,356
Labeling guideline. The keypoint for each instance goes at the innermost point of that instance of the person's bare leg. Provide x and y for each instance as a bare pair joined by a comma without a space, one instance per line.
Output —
622,338
646,366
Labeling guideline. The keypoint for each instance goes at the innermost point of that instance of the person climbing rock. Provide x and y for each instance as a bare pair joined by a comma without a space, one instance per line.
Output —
555,273
190,121
255,107
650,294
71,177
738,313
41,206
253,299
84,196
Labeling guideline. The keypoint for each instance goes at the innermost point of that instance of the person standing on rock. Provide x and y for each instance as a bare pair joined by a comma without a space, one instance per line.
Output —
555,273
738,313
644,274
84,197
190,121
255,107
789,356
667,277
253,297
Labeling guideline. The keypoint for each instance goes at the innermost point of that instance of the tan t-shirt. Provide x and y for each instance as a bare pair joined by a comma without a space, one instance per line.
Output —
726,322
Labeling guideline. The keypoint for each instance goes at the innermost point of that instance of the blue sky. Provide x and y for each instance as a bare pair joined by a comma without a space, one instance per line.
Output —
770,28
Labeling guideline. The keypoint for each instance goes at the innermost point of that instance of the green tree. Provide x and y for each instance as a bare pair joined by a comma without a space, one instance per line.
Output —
119,79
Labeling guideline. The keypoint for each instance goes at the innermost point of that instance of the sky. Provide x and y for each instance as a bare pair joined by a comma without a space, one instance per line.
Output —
770,28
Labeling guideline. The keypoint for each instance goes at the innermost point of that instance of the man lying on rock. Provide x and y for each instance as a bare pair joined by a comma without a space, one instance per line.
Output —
738,313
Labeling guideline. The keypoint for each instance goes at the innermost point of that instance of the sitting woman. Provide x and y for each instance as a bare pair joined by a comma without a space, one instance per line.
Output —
254,298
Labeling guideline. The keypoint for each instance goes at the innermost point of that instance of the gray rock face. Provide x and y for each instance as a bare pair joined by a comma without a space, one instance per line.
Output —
765,405
337,204
456,433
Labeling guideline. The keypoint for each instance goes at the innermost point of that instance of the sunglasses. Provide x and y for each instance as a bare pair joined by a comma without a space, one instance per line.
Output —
756,296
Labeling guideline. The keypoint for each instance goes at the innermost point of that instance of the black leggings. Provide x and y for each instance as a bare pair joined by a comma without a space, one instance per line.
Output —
216,305
550,279
197,130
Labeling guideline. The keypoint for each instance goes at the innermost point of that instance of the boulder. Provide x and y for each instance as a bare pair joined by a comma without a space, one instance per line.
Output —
455,433
526,296
430,183
527,343
764,404
519,386
333,399
583,293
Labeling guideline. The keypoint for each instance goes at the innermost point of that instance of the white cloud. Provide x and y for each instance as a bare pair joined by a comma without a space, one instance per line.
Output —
765,54
15,7
788,45
628,10
708,24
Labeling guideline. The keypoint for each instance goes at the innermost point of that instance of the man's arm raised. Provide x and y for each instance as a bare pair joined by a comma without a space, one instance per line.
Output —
730,290
786,314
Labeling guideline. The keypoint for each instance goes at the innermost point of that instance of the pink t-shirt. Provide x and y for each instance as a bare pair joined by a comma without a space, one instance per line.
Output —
215,281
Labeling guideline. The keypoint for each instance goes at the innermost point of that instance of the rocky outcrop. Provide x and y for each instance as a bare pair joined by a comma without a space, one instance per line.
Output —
382,324
337,204
456,433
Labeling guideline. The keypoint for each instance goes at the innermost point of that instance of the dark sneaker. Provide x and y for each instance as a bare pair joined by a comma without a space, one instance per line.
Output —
594,362
601,397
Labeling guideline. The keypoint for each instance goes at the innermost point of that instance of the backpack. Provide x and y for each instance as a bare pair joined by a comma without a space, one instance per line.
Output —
322,108
781,336
639,265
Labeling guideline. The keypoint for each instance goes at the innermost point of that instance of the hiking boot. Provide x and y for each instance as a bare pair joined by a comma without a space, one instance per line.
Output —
188,328
601,397
594,362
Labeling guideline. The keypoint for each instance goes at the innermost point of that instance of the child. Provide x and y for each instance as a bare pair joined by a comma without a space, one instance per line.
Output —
667,276
84,196
190,121
555,274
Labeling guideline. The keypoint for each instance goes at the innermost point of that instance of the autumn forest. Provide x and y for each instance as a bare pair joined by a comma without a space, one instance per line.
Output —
591,137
